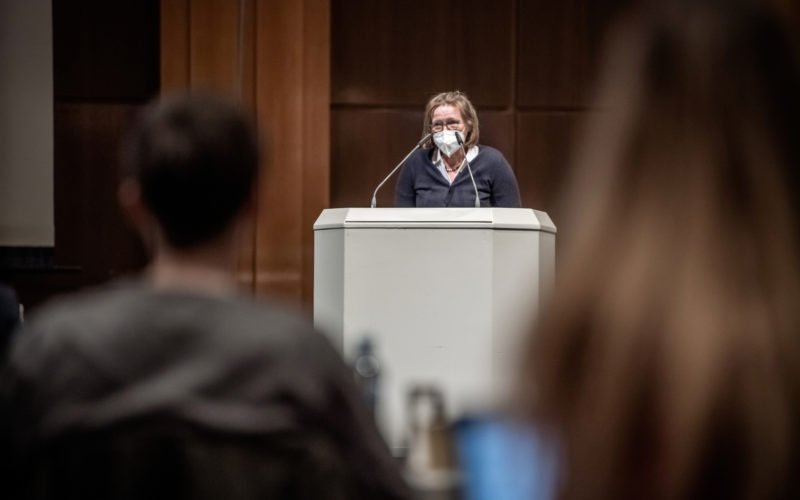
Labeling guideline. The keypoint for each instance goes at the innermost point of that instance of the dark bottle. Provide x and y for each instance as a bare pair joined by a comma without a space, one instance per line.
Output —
367,369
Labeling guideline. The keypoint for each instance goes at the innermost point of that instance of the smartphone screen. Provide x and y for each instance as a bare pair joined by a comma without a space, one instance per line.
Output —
504,460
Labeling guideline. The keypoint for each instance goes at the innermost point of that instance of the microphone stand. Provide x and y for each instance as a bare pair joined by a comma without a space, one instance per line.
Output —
469,169
419,145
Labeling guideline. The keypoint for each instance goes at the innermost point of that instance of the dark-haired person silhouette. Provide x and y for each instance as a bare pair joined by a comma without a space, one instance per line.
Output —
174,385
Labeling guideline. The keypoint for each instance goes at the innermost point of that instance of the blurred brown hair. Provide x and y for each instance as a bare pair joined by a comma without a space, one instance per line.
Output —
668,361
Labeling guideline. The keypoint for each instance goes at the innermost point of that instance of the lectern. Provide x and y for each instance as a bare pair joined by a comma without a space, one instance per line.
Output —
446,295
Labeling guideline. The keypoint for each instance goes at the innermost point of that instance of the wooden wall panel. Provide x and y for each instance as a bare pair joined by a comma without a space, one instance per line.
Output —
208,44
214,44
105,50
201,45
483,46
279,232
275,56
316,132
558,48
98,240
293,107
544,148
105,66
93,241
789,10
528,66
365,146
391,53
553,60
498,130
175,42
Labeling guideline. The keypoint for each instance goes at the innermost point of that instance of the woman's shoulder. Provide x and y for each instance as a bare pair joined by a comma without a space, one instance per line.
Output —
421,156
490,155
419,160
489,152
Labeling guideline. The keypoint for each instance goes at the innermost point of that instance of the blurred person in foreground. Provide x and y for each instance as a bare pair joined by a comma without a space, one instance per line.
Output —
437,176
175,385
9,318
667,365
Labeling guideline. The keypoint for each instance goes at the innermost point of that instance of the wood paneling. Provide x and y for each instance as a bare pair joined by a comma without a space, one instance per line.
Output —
105,50
789,11
543,154
391,53
527,66
214,45
558,49
293,85
498,130
280,112
91,233
93,242
553,60
354,72
316,38
275,56
298,139
209,44
105,67
175,40
365,146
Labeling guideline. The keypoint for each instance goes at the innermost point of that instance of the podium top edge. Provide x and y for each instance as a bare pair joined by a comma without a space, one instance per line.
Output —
486,218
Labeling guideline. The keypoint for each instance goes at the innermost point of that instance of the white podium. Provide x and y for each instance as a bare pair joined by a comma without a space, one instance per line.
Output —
446,294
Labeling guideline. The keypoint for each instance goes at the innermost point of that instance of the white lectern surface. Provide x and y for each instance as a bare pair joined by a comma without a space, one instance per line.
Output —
446,294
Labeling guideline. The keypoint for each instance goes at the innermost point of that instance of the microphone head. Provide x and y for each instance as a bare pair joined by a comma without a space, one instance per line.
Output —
424,139
459,138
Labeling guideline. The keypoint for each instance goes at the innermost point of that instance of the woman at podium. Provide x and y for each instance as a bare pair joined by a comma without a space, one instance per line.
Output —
452,169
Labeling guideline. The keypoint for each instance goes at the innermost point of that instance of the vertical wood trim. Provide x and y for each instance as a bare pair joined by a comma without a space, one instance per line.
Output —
293,109
174,44
213,44
275,57
246,54
316,172
279,90
245,86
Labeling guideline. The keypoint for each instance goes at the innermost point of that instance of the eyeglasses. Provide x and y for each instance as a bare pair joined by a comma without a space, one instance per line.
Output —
451,124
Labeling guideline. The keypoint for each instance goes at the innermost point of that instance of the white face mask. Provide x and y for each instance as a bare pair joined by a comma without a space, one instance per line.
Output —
446,142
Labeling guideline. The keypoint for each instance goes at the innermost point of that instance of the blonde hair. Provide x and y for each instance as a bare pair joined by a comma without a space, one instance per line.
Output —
459,100
668,361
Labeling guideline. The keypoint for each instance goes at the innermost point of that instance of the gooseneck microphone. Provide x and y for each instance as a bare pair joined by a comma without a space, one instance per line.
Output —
419,145
475,186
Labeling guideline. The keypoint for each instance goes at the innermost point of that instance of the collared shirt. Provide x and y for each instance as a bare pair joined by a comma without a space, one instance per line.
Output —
439,163
424,184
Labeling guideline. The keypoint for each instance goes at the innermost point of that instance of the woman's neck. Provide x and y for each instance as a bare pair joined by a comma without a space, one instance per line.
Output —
455,160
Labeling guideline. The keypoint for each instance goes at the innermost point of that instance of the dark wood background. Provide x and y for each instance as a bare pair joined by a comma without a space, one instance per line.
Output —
105,66
527,65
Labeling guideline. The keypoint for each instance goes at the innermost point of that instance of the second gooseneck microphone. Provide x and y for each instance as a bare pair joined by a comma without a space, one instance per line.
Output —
419,145
475,186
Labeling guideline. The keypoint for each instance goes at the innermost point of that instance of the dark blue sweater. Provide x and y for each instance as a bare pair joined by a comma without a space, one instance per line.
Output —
421,184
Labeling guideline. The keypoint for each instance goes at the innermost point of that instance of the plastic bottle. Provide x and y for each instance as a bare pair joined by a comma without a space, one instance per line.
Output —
367,370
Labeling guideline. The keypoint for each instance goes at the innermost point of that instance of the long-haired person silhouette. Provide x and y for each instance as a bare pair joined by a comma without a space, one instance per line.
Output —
667,364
